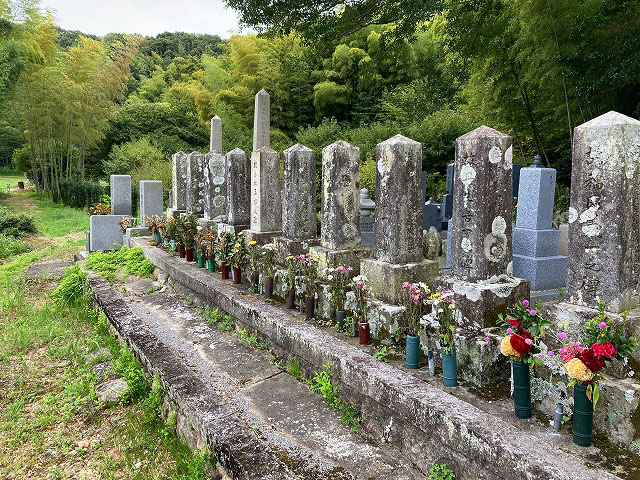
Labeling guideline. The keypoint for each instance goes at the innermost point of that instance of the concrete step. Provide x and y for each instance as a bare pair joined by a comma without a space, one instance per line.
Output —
401,408
253,411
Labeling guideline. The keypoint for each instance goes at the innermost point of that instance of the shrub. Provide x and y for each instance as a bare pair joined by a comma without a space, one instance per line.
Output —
126,158
100,209
72,288
131,260
10,246
78,194
16,224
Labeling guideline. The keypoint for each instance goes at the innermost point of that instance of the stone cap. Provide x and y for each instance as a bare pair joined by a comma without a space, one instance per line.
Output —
608,119
398,139
265,149
262,93
215,117
196,153
237,151
341,144
482,132
298,147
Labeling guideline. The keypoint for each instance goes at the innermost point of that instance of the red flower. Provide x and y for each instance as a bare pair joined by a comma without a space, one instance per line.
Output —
519,342
604,351
592,362
514,322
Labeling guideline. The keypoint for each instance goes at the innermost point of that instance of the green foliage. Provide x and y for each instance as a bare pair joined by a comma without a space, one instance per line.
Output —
321,384
127,157
127,367
227,325
55,220
129,261
211,316
10,246
381,354
72,287
441,472
16,224
78,194
293,369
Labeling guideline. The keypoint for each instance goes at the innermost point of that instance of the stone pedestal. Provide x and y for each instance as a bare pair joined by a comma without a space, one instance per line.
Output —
292,246
386,278
349,257
195,183
604,226
215,187
151,199
179,163
536,246
238,188
120,194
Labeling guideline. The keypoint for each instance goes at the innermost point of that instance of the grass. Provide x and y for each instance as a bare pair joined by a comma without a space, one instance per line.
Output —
126,261
51,425
11,179
56,220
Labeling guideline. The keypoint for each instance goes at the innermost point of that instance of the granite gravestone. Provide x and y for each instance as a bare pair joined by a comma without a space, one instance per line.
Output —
120,194
151,199
261,121
266,203
195,183
367,207
604,217
215,136
105,233
215,187
179,163
238,188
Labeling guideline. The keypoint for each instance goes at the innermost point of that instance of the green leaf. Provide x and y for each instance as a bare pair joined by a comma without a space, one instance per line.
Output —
596,394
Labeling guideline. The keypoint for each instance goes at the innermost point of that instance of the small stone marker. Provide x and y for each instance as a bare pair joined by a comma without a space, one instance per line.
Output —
604,225
105,233
340,226
483,205
238,187
266,202
536,245
261,121
215,136
195,183
367,207
179,163
299,202
151,199
120,194
431,215
215,187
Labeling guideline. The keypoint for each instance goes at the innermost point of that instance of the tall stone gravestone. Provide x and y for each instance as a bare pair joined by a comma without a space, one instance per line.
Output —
195,183
215,187
238,190
367,208
398,253
298,202
340,207
215,135
178,202
480,241
604,217
120,194
536,245
261,121
151,199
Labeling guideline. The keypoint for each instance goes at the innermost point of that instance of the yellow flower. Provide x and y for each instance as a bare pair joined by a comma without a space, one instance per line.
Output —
578,370
506,349
252,242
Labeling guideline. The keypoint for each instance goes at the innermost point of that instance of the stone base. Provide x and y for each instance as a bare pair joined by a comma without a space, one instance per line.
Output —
348,257
261,238
291,246
207,224
105,233
386,279
536,243
481,302
135,232
174,213
544,296
543,273
227,227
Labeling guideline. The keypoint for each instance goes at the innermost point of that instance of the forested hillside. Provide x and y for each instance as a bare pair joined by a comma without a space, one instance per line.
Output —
77,105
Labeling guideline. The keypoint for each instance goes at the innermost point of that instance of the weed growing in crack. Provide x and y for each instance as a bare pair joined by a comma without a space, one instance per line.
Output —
321,384
227,325
381,354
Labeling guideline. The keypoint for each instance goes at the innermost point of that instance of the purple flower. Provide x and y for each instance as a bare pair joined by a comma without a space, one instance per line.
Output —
528,341
533,312
525,303
540,356
602,325
487,339
510,330
551,353
561,335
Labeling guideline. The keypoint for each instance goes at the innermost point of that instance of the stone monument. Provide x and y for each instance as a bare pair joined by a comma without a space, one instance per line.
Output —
151,199
195,183
261,121
215,187
215,135
178,202
238,190
120,194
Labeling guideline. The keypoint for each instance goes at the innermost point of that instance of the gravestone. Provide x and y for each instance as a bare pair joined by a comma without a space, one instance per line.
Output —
298,203
515,175
120,194
564,239
151,199
266,203
536,245
398,253
367,207
261,121
238,189
179,163
604,226
215,137
446,208
215,187
195,183
105,233
340,241
431,215
479,244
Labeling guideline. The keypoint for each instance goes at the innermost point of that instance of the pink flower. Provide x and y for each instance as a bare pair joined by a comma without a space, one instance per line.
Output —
562,336
528,341
533,312
405,284
602,325
540,356
551,353
525,303
510,331
569,352
487,339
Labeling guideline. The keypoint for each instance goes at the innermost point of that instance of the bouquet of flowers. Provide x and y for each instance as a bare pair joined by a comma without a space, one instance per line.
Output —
269,260
414,296
189,230
126,223
361,290
225,245
201,240
171,229
524,330
443,305
338,285
254,256
152,223
308,269
210,245
238,251
603,343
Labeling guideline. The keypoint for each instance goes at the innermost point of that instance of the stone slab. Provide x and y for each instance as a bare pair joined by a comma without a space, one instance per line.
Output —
215,135
261,121
50,269
120,194
261,238
105,232
543,273
266,200
564,239
299,193
349,257
195,183
536,243
215,187
386,278
238,188
151,199
135,232
289,246
535,200
179,181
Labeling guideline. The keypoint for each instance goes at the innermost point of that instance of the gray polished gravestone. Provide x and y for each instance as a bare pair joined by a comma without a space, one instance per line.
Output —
367,207
105,233
151,199
120,194
536,245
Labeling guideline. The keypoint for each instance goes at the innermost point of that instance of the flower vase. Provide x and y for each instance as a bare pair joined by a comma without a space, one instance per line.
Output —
200,261
364,333
449,368
237,279
340,316
413,351
189,254
211,266
268,287
158,238
172,245
522,389
182,250
224,271
291,299
310,307
255,279
582,416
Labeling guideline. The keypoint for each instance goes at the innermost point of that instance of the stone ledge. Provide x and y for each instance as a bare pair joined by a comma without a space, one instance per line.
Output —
427,423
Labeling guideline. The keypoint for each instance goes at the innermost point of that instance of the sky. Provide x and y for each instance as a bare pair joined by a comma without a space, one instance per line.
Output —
147,17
